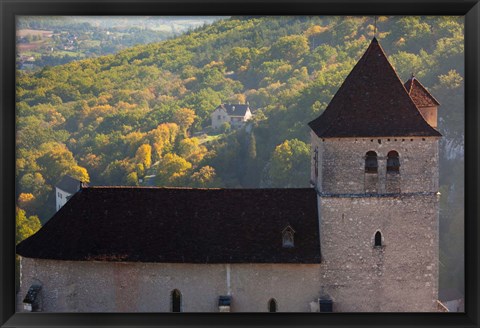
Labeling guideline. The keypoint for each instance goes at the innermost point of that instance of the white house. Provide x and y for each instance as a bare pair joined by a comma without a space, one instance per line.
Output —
234,114
65,189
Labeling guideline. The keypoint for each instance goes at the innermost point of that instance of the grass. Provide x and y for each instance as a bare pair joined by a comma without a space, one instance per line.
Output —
207,138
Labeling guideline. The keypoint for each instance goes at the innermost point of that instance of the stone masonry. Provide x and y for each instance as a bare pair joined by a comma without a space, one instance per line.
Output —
402,273
91,286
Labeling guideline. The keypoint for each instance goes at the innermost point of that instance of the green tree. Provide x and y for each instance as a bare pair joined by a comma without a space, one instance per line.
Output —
238,59
57,160
290,164
292,48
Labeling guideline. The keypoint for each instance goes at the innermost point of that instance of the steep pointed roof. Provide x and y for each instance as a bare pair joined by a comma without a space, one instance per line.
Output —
419,94
372,102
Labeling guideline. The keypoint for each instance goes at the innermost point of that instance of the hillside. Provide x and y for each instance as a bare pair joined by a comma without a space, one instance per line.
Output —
130,118
56,40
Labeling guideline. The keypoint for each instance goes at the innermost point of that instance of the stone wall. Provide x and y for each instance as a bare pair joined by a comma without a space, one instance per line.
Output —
402,274
216,121
342,164
75,286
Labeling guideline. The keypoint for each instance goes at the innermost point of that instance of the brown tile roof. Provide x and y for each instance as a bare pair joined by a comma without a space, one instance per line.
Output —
371,102
419,94
180,225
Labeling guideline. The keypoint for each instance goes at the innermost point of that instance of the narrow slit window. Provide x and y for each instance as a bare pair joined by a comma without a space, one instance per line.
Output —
371,162
176,301
272,305
378,239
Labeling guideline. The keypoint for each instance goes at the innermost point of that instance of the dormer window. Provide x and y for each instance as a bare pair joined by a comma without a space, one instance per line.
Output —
287,237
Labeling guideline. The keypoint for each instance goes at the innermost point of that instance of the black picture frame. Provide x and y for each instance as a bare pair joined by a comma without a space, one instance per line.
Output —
10,8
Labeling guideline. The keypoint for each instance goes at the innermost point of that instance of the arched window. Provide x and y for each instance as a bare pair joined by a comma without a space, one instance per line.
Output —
272,305
371,163
176,301
393,162
378,239
287,237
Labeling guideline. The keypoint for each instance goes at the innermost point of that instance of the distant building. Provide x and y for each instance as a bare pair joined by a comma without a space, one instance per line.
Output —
65,189
234,114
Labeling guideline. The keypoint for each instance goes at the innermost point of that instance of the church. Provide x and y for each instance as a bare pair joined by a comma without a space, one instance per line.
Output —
363,238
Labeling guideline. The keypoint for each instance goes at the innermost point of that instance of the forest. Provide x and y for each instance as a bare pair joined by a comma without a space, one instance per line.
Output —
141,116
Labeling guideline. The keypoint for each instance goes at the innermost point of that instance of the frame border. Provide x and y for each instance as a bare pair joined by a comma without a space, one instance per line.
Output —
11,8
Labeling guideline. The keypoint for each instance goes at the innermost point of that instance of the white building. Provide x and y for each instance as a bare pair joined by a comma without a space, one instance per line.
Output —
65,189
234,114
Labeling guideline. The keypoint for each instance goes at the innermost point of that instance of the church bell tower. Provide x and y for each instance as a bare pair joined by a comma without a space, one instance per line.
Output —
375,170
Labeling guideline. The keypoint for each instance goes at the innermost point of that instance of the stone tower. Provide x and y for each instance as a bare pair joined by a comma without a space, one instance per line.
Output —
375,169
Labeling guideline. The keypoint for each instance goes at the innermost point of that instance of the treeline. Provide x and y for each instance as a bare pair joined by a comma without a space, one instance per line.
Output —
138,117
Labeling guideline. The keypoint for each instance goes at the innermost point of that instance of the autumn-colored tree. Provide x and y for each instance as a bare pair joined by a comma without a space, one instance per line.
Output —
132,179
25,201
171,170
25,226
191,150
144,155
313,32
205,177
56,161
32,183
163,138
238,98
133,140
184,117
79,173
